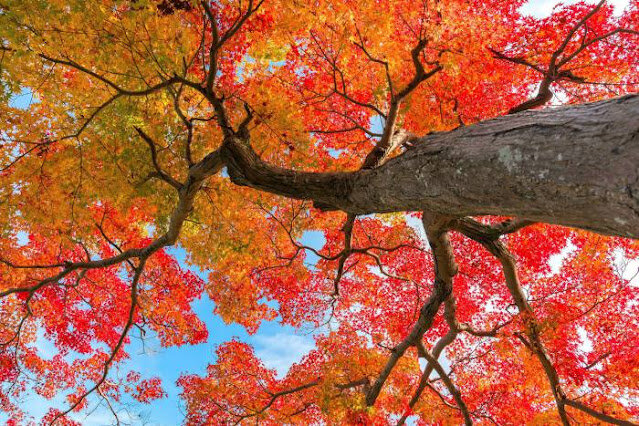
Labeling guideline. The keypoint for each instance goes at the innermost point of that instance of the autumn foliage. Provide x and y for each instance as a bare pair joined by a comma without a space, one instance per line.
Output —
127,148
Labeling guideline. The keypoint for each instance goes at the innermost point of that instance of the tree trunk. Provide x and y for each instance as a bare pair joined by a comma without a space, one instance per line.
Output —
576,166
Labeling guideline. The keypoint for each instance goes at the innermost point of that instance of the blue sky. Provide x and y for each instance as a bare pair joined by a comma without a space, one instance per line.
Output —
278,346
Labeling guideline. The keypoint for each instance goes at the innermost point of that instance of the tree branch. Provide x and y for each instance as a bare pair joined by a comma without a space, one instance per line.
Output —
445,268
452,389
538,165
154,157
534,342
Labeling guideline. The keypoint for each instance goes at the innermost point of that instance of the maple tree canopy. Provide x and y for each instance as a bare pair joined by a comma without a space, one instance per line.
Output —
409,133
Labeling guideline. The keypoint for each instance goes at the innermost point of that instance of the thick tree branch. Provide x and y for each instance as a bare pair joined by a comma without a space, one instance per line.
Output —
452,389
436,227
209,165
553,72
533,342
572,166
439,347
532,327
596,414
455,327
391,139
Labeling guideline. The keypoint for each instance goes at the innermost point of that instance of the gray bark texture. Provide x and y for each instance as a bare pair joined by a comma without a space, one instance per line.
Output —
576,166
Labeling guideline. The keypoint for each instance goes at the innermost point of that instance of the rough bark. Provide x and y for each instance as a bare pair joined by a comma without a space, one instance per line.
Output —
576,166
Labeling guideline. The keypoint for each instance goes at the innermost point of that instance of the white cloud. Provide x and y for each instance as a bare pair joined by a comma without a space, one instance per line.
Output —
543,8
556,260
280,350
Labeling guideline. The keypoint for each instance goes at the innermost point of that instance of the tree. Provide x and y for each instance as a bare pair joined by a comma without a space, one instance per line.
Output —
233,127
